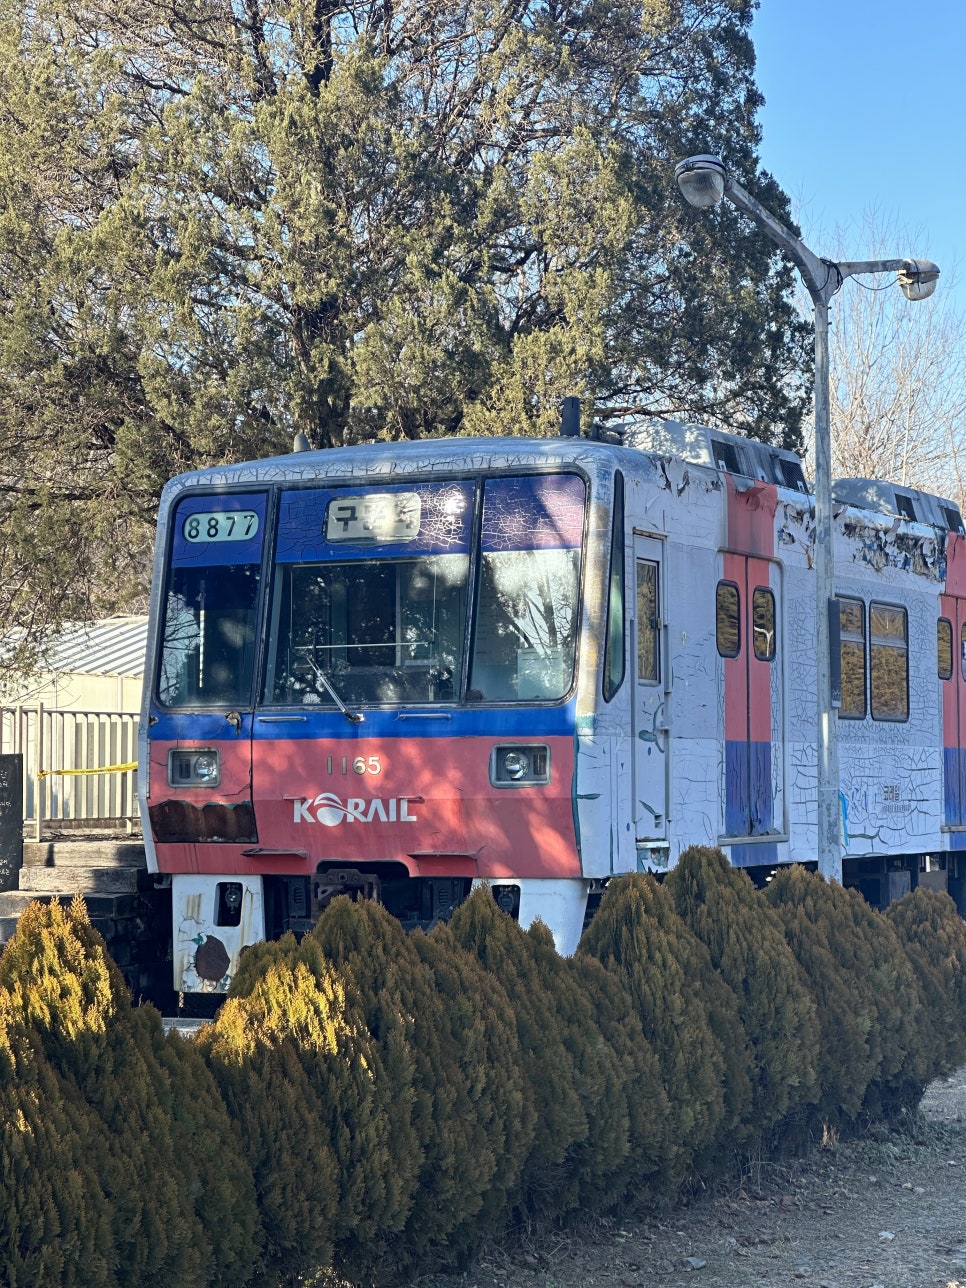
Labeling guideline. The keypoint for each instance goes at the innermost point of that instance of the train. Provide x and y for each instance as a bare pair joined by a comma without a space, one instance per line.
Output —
397,671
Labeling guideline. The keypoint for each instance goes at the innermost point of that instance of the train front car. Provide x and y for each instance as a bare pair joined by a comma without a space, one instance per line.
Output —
364,681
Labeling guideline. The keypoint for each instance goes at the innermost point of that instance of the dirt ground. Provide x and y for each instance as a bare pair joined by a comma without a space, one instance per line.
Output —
887,1211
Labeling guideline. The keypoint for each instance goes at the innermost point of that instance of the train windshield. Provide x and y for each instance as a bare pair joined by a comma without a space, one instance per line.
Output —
371,597
525,634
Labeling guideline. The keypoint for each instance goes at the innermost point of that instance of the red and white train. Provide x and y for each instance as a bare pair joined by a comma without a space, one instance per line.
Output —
399,670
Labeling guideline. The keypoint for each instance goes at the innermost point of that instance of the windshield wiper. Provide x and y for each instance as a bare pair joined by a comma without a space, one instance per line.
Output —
355,716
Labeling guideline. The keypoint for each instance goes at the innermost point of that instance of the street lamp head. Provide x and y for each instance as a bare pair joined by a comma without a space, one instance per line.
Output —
701,180
918,278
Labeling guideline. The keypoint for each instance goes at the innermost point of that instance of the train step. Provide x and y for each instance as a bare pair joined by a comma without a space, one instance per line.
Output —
84,854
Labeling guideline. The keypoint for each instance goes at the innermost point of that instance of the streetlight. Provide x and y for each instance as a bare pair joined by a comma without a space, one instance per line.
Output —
704,181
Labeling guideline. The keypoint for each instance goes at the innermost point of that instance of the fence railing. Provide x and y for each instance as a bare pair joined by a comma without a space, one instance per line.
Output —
78,768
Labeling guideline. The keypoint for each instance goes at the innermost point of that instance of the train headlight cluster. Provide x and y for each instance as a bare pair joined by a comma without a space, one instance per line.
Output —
519,766
195,768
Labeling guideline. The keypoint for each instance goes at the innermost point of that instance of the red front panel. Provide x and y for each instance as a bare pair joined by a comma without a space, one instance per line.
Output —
426,802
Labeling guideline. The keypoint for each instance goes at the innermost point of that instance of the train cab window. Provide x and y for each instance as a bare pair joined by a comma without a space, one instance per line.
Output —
944,648
763,615
727,622
889,662
852,656
614,660
210,631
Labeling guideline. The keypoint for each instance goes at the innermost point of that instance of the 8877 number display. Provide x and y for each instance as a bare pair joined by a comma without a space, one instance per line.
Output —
220,525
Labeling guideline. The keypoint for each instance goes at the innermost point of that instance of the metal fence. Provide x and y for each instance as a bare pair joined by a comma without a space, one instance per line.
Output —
79,768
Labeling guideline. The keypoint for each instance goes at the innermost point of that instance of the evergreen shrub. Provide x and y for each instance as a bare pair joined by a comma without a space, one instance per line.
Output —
933,937
55,1219
639,1165
555,1119
746,941
314,1105
690,1018
870,1052
480,1037
135,1111
436,1146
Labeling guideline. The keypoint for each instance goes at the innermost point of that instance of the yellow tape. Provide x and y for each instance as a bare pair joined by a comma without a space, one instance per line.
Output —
106,769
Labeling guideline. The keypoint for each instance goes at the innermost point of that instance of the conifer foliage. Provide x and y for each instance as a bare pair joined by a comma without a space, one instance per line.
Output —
667,971
378,1103
748,949
870,1049
933,936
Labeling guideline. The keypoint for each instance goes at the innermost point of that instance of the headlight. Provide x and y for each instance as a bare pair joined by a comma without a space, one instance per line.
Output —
194,768
515,764
520,766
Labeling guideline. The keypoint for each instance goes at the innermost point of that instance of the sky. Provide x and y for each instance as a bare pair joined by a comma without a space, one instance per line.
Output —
865,109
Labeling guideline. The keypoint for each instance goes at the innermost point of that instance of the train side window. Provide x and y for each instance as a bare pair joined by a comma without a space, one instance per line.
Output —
852,656
727,624
648,622
889,662
944,648
614,660
763,620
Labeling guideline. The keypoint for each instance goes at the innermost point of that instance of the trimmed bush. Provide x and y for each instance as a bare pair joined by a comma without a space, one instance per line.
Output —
745,939
640,1162
169,1175
870,1051
480,1035
55,1219
316,1110
553,1113
689,1017
933,937
437,1146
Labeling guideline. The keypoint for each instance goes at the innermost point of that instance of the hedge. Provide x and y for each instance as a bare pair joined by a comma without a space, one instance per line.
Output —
380,1103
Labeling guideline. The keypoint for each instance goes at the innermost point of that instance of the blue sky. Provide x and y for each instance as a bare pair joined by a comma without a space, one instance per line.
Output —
865,110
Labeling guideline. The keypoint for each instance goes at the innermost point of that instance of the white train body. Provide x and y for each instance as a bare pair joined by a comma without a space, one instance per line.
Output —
650,689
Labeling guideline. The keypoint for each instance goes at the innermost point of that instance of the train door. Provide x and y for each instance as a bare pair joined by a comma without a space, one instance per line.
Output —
651,738
747,619
952,669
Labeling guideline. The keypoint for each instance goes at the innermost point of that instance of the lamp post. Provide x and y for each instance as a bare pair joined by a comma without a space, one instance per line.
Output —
704,181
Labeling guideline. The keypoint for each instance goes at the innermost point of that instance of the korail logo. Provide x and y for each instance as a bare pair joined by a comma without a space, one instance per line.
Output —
329,810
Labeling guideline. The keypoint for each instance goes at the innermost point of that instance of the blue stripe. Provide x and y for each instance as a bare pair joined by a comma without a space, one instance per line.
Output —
458,722
736,788
952,786
754,856
749,805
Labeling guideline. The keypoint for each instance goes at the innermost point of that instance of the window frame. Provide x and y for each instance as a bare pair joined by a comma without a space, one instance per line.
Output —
885,643
765,591
940,623
843,714
613,676
725,583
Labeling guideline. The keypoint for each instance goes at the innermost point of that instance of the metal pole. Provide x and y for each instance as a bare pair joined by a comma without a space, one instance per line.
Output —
704,180
827,750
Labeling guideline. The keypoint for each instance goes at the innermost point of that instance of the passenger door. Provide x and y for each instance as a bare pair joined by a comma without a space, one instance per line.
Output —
953,677
651,736
747,619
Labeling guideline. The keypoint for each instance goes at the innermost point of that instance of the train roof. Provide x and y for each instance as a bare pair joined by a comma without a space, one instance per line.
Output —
701,445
